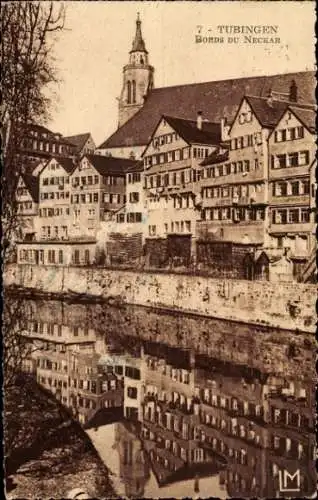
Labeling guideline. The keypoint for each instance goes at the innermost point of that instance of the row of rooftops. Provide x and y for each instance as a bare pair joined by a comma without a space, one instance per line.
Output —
267,111
216,99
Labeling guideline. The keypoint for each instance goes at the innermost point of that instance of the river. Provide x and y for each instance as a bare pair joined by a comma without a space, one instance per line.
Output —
180,406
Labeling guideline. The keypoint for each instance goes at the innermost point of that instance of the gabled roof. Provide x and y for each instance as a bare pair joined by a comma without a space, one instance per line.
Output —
110,165
306,116
267,112
79,140
30,166
137,167
189,131
32,184
216,99
66,163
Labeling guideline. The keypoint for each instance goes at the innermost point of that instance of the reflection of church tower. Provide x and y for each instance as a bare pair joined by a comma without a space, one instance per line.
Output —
138,78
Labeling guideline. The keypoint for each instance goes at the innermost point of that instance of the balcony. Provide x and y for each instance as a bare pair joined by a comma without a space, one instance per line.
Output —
282,173
163,168
236,201
188,187
303,199
253,175
301,227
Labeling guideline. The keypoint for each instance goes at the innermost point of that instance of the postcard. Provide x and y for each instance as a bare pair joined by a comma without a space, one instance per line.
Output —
159,242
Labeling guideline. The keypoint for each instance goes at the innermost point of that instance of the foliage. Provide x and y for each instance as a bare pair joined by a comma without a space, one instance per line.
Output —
28,34
16,346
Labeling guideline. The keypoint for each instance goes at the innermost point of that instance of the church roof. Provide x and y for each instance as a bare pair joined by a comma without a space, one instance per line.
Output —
189,131
217,99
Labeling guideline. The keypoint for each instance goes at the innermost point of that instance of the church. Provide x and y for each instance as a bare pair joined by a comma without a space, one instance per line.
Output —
141,105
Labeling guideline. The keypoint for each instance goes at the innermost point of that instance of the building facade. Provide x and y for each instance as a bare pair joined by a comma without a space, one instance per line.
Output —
235,190
41,143
172,174
292,154
27,199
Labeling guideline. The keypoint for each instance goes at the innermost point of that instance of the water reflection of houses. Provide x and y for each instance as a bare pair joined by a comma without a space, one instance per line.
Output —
134,470
182,414
292,440
241,413
65,361
170,432
232,422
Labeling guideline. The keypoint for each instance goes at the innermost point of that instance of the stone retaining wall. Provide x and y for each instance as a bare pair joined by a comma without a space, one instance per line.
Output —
283,305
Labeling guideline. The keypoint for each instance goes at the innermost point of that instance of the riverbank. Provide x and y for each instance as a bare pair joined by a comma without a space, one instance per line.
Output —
286,306
47,452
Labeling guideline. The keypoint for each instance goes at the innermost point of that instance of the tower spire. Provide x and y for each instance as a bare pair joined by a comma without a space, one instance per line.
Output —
138,43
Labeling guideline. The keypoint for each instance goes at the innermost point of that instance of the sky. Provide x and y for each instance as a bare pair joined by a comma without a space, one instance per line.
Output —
92,50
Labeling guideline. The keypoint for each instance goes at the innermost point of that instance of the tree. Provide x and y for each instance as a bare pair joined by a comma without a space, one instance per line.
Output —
28,34
16,346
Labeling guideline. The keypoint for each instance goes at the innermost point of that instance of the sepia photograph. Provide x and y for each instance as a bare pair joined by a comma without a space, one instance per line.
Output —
159,249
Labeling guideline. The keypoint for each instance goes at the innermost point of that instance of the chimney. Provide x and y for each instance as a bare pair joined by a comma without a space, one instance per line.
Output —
224,130
293,91
270,97
199,120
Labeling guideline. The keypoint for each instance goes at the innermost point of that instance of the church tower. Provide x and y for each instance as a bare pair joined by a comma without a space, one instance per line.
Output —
138,78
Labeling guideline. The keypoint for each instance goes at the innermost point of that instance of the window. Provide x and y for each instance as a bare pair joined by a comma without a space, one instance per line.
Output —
86,256
291,134
293,159
95,197
76,257
132,392
281,189
129,97
306,187
303,158
299,133
60,256
281,161
133,91
293,216
295,188
281,217
132,372
304,215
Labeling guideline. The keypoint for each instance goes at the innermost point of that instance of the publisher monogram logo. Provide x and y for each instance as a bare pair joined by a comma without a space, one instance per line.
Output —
289,482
